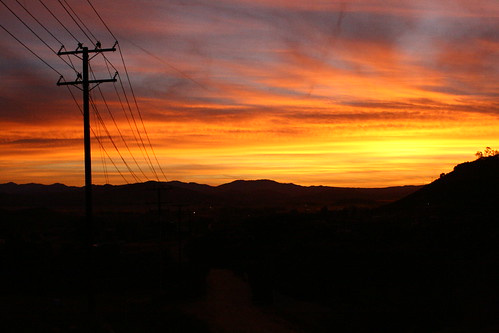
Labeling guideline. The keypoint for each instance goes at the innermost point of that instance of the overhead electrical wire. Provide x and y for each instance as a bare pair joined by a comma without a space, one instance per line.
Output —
40,23
102,156
59,21
30,50
127,117
183,74
117,127
34,33
110,137
76,22
140,113
144,144
133,96
103,22
147,52
50,33
136,133
141,140
98,139
80,20
121,135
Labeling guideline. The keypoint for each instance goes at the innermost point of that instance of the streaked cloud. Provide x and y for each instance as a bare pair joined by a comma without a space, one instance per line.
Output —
360,93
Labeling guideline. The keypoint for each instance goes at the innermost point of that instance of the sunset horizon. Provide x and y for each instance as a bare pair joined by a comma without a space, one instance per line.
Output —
363,93
79,181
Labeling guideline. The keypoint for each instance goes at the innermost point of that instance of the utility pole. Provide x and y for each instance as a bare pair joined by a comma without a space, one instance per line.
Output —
84,81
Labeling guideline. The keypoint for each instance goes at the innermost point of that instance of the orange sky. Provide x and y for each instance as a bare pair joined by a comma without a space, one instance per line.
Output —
364,93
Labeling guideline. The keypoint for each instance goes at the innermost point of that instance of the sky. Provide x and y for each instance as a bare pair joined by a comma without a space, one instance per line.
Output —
362,93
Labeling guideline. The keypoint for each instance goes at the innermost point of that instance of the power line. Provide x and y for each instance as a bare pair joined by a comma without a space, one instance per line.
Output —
70,64
147,52
134,98
36,55
28,27
41,59
100,18
49,32
37,21
62,24
140,116
80,20
122,137
144,144
76,22
94,107
128,118
108,62
109,157
184,75
97,138
144,151
139,113
138,138
117,127
103,158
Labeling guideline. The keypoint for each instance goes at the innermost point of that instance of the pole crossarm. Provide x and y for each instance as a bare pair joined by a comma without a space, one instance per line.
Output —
59,83
85,51
89,51
80,50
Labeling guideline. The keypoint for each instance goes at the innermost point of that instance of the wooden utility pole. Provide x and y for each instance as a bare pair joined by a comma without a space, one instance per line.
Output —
84,81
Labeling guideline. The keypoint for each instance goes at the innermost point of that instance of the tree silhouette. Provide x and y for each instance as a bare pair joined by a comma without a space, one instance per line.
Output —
488,152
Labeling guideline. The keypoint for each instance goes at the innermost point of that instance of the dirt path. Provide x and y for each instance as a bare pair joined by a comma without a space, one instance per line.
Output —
227,307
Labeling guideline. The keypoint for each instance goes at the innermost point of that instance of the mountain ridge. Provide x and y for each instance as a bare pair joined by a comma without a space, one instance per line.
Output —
469,186
239,192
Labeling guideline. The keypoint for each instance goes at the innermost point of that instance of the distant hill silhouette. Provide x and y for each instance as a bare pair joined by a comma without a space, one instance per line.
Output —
271,191
471,188
265,193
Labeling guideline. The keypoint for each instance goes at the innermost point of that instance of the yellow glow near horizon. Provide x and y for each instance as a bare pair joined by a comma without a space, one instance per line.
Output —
363,93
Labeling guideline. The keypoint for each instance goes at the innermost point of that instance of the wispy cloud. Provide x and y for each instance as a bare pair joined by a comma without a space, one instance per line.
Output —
225,87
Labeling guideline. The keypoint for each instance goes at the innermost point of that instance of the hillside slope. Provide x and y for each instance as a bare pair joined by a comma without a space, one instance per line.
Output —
471,188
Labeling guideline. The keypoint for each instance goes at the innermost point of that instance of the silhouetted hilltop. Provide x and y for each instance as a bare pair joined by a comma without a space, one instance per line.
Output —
472,187
33,188
260,185
260,193
271,191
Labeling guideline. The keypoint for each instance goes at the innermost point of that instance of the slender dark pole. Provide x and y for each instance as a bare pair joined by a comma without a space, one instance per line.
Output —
179,233
160,242
88,181
88,157
85,82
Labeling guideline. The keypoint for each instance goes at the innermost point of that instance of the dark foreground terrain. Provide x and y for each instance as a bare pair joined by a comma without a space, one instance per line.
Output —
258,259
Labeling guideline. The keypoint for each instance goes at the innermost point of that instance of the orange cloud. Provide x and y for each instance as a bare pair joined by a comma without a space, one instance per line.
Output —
357,93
